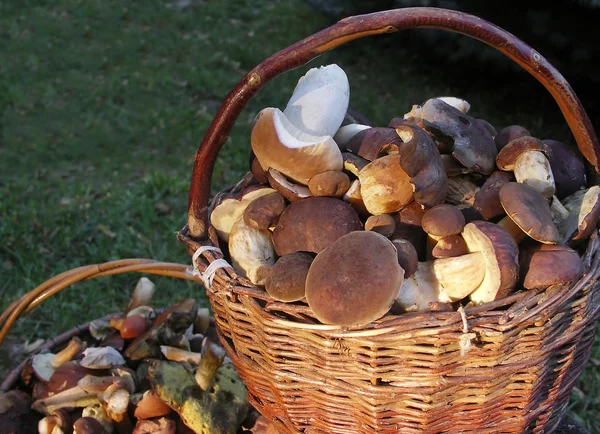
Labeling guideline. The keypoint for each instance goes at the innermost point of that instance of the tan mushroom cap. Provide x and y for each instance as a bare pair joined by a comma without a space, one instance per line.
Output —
290,190
443,220
530,211
331,183
500,254
287,280
384,186
280,145
362,285
543,265
313,224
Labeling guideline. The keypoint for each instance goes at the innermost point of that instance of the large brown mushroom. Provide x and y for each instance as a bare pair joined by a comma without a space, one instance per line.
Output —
362,285
543,265
287,280
313,224
567,168
509,133
372,143
527,157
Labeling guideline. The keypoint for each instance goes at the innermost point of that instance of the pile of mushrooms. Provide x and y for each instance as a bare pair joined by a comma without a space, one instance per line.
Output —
142,372
435,210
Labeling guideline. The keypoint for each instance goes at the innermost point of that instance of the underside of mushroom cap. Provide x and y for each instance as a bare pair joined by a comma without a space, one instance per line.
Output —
501,255
280,145
584,211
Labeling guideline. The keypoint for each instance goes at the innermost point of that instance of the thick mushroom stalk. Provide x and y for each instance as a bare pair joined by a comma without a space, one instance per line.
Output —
251,250
442,280
212,359
527,157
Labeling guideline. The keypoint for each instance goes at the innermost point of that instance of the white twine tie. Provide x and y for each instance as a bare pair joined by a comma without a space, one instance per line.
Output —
209,274
464,342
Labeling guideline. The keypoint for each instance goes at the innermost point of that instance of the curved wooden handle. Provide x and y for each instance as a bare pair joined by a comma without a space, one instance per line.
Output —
359,26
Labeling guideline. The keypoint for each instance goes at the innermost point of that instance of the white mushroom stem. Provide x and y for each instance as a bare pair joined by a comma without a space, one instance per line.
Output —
71,350
512,228
142,294
559,213
212,358
442,280
116,406
72,398
49,425
252,252
533,168
177,355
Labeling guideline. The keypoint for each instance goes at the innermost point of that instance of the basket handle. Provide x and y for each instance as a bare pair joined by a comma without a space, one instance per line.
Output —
359,26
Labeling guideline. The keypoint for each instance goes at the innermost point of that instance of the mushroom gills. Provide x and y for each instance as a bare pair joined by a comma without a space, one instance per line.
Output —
533,168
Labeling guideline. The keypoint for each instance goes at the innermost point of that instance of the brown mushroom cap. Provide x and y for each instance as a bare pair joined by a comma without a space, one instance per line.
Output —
331,183
384,186
87,425
313,224
353,163
450,247
507,134
487,199
530,211
287,280
500,254
423,163
363,284
443,220
383,224
515,148
407,256
262,212
373,143
543,265
567,167
291,191
473,145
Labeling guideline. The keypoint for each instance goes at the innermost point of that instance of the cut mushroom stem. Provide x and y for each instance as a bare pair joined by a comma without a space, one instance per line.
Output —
533,168
73,348
116,406
142,294
212,358
177,355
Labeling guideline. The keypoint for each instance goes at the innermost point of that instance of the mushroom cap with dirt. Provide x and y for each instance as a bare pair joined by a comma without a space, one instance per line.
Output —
362,285
313,224
543,265
501,257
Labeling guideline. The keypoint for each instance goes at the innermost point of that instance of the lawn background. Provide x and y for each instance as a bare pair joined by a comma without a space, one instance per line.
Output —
102,106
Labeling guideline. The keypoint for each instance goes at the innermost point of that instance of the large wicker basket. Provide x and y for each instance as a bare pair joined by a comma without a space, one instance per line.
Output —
402,373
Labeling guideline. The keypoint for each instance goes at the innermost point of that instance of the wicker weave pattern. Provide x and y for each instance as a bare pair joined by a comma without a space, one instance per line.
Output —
405,373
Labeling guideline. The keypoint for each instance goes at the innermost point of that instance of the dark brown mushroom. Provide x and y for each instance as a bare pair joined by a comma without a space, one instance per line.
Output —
313,224
529,211
372,143
383,224
487,198
262,212
361,287
287,280
473,145
443,220
88,425
567,168
543,265
353,163
528,157
449,247
508,134
407,256
16,416
288,189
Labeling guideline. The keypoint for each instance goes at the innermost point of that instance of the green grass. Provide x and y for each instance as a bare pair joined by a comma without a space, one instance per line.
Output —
102,105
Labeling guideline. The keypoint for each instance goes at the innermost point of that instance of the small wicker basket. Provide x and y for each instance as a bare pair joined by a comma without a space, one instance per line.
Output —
401,373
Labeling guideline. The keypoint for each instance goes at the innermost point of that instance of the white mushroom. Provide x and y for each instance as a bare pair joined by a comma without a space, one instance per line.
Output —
252,253
101,358
320,101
